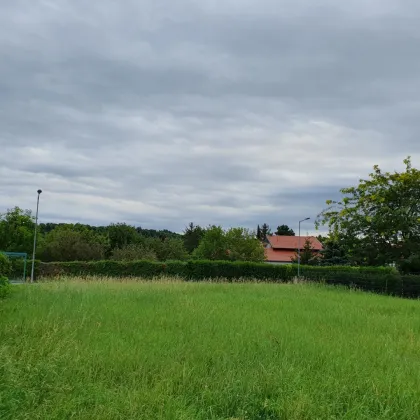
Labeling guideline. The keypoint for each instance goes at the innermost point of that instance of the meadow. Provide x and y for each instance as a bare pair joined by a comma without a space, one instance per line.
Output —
166,349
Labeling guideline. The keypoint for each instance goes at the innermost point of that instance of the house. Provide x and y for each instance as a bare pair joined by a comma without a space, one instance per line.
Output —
282,249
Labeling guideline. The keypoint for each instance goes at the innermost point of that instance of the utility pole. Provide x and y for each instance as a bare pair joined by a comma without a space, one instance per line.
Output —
36,229
300,221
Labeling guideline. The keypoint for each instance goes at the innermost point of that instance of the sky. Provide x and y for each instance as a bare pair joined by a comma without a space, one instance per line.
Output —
236,112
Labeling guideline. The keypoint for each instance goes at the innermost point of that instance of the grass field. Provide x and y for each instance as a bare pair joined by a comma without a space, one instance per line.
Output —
168,350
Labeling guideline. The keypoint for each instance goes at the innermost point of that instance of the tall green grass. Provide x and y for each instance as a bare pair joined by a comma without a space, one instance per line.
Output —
172,350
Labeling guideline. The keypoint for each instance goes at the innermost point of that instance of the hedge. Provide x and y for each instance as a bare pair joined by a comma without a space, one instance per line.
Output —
17,266
375,279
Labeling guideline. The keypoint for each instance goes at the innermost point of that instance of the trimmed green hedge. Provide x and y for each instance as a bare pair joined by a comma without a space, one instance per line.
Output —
375,279
190,270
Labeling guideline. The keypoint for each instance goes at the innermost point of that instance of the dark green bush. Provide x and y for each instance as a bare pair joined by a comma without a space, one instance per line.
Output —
5,265
410,285
106,268
5,287
410,265
5,268
175,268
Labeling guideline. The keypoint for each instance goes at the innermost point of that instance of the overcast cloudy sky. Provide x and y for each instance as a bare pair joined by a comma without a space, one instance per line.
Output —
232,112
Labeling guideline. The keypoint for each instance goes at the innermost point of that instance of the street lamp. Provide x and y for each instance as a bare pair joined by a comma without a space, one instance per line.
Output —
300,221
36,228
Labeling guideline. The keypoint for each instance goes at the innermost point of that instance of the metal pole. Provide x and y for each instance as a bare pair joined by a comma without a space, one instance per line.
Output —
300,221
36,229
299,251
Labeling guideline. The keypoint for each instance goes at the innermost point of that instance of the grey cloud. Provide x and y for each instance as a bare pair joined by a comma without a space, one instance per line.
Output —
159,113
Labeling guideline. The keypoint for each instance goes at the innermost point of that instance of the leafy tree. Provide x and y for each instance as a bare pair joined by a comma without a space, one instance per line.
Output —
133,252
167,249
379,219
213,246
192,237
45,228
74,243
161,234
17,230
121,235
237,244
284,230
244,246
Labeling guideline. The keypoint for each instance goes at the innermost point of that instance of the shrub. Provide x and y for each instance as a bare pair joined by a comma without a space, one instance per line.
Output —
5,287
5,268
5,265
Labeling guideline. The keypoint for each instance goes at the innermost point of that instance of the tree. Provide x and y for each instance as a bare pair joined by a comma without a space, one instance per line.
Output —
213,246
410,265
162,234
265,230
45,228
73,243
192,237
244,246
379,218
334,250
307,256
167,249
133,252
17,230
284,230
236,244
259,235
121,235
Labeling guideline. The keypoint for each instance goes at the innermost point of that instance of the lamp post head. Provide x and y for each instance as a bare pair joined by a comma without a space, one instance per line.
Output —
303,220
39,192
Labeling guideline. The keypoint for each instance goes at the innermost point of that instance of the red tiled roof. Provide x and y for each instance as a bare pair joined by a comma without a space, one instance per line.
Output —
291,242
273,255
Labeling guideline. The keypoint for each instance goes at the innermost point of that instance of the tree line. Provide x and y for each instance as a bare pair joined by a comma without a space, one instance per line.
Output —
120,241
376,222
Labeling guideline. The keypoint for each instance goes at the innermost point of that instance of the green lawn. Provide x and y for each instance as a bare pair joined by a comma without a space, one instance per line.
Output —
112,350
